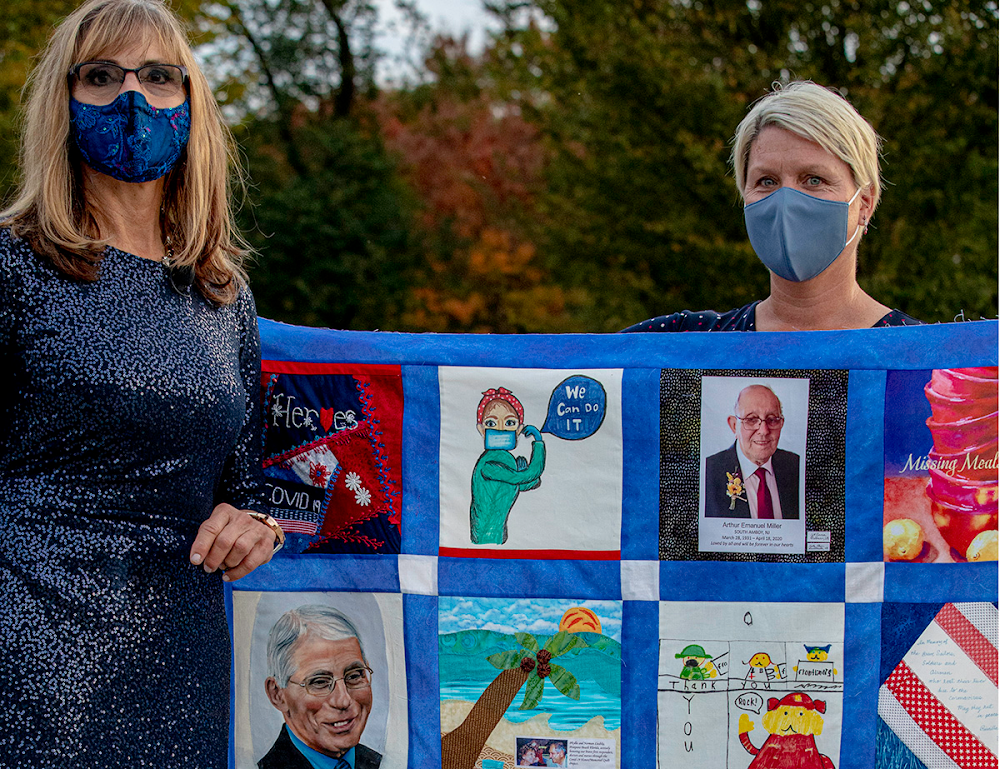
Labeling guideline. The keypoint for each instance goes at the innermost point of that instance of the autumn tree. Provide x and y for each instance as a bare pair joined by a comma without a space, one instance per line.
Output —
327,212
637,103
475,167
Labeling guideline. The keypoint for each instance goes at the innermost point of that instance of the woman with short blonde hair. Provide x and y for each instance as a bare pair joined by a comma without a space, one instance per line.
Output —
820,115
806,164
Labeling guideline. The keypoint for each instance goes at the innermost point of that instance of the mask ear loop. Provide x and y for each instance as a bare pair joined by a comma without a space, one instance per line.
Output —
858,228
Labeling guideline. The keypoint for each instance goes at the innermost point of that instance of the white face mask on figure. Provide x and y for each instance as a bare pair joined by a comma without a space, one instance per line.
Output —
798,236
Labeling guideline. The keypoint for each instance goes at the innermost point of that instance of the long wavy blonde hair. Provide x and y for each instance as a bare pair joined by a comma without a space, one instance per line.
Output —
50,211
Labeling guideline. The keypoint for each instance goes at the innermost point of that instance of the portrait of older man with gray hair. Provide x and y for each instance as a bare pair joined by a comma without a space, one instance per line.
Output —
753,478
319,678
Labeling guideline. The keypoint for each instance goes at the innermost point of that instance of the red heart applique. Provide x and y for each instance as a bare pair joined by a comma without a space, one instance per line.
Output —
326,418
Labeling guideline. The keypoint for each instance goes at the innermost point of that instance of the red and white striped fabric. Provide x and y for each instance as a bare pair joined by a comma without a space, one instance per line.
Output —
296,525
941,700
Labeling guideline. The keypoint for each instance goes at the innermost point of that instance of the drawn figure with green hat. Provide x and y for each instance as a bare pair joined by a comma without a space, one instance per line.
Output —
697,663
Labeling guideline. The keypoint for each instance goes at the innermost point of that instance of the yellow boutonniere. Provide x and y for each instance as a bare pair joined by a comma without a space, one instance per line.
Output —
734,488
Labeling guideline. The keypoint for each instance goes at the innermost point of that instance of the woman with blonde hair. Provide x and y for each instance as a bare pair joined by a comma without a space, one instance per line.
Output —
807,167
130,482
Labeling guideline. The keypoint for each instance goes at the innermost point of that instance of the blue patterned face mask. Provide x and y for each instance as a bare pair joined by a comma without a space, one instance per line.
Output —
128,139
795,235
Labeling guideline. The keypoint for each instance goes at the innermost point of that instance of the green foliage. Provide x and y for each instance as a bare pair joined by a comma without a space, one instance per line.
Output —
563,642
565,682
506,660
331,218
532,692
269,56
527,640
574,177
332,236
637,103
26,26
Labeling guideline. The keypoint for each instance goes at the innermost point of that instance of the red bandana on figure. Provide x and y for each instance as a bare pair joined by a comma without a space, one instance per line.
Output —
793,723
499,394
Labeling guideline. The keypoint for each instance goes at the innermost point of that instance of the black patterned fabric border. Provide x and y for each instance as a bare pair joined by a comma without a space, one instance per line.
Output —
680,440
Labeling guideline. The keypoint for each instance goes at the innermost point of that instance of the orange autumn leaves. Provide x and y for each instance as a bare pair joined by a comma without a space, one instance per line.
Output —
501,289
475,166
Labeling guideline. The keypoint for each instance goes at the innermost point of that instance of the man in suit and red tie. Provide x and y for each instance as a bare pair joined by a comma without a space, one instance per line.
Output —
753,478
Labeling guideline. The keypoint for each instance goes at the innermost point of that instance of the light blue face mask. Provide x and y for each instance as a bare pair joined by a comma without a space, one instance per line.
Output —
798,236
500,439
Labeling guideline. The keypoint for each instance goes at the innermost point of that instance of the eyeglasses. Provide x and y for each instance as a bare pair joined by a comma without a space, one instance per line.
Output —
753,422
323,686
102,81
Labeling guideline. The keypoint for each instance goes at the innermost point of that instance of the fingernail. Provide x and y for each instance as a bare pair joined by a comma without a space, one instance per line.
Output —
226,578
196,559
207,570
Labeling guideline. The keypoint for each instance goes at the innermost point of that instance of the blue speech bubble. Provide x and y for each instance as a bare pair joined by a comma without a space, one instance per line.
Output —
576,408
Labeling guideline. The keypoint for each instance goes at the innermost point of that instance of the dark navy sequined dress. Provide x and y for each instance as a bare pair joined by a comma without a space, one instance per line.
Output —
129,411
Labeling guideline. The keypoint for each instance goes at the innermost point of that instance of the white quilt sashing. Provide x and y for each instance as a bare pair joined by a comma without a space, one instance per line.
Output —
941,699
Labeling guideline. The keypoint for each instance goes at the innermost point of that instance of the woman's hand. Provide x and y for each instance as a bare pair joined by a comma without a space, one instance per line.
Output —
233,541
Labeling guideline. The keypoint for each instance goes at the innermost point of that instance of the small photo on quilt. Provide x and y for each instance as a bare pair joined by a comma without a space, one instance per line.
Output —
752,465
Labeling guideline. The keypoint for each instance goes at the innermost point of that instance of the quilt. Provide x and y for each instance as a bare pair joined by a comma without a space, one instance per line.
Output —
715,551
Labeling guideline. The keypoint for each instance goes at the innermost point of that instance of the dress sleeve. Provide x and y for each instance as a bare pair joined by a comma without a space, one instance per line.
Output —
674,322
242,483
740,319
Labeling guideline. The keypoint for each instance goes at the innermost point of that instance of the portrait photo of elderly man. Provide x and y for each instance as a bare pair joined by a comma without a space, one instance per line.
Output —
753,478
319,679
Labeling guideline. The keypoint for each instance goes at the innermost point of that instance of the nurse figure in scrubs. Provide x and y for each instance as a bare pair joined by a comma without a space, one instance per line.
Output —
500,476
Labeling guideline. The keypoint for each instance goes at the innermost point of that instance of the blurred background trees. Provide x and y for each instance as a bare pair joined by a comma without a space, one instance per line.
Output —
572,175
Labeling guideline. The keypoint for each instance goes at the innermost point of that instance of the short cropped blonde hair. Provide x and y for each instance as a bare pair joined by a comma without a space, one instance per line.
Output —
50,210
820,115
